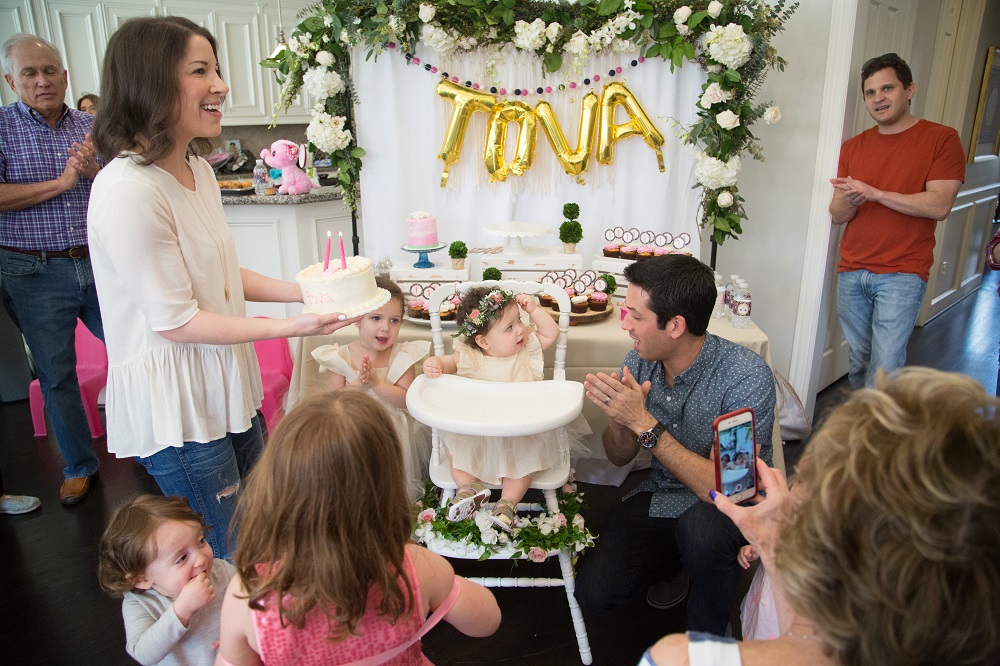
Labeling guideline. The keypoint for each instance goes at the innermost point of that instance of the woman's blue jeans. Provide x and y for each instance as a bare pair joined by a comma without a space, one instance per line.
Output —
210,476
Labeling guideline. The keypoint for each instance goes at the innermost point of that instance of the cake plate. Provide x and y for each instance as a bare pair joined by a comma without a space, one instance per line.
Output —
514,232
422,260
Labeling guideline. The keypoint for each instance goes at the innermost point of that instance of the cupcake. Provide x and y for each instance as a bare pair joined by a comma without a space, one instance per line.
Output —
660,252
579,304
545,300
612,250
644,252
448,311
414,307
598,301
628,252
570,291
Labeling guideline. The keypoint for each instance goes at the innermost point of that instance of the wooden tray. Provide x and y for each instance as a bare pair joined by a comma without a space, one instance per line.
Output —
588,317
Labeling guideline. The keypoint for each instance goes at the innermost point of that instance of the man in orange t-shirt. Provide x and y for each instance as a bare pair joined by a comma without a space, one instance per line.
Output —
894,182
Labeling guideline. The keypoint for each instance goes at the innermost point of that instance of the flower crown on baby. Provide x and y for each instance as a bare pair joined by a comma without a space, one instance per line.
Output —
490,306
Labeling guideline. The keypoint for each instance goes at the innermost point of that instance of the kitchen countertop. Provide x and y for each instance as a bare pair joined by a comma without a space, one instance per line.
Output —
325,193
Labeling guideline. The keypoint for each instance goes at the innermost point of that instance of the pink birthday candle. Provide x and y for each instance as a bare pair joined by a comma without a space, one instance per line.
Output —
326,257
343,257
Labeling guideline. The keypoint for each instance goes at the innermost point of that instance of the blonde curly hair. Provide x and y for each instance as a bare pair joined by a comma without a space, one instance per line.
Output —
894,553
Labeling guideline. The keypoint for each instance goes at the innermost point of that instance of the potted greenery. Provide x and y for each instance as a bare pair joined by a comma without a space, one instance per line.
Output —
458,251
492,273
570,231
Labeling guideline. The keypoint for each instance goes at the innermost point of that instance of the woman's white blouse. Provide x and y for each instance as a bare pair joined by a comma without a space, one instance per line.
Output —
161,253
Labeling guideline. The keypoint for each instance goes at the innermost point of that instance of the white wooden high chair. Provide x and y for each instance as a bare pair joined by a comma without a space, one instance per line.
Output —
473,407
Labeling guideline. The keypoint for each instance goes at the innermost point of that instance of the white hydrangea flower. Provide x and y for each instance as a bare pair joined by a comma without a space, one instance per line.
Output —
438,39
725,199
426,12
324,58
552,31
327,132
714,9
714,94
772,114
529,36
714,173
728,44
682,14
727,119
322,83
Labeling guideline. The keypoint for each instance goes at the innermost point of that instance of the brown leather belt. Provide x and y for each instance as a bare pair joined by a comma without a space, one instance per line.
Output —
79,252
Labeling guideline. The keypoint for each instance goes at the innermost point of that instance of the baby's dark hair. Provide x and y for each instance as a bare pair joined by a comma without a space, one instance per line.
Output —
127,546
395,293
470,301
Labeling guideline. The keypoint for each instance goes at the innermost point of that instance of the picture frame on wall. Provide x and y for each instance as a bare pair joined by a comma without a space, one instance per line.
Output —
986,129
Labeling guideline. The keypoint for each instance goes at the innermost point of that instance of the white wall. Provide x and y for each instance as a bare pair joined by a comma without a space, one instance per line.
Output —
779,191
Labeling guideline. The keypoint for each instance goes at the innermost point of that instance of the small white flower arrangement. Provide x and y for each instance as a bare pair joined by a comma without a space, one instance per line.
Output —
535,537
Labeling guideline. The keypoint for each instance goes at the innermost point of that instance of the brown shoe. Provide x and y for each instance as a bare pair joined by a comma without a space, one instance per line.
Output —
74,490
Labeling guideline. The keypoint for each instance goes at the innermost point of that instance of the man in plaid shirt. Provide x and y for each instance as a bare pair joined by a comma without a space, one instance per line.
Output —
47,166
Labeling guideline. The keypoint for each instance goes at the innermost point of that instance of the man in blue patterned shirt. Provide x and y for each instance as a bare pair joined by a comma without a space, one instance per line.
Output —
674,383
47,165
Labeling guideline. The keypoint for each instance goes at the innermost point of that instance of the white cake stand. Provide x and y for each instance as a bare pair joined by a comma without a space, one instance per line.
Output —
514,232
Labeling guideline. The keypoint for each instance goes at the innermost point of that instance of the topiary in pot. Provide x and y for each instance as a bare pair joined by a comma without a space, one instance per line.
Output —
492,273
458,251
570,231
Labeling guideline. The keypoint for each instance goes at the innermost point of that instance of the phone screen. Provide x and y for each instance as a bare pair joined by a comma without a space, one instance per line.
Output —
736,460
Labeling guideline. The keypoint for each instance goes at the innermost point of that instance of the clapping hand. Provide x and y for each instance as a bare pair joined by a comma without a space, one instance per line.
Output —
365,376
432,368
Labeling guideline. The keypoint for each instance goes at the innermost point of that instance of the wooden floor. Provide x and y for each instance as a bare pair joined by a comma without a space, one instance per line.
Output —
53,612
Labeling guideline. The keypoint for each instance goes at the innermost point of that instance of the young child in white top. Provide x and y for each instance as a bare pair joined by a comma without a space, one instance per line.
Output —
496,346
383,368
154,554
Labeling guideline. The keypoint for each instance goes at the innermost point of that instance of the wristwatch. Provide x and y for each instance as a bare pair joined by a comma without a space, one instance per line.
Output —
649,438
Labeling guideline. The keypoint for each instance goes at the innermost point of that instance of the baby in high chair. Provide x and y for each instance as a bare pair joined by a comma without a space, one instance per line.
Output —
384,369
494,345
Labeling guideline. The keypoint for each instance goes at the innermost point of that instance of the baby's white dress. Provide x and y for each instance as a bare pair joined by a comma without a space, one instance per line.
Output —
491,458
414,437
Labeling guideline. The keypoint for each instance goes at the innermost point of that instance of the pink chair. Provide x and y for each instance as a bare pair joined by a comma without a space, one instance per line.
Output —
276,375
91,372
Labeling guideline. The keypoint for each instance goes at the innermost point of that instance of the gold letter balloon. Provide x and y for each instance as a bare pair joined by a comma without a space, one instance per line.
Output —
639,123
496,140
465,102
574,162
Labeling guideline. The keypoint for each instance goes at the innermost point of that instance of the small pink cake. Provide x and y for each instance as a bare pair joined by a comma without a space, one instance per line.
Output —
660,252
644,252
599,301
421,230
612,250
627,252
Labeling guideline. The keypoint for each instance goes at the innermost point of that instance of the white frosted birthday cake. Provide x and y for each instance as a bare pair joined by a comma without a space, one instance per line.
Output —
350,290
421,230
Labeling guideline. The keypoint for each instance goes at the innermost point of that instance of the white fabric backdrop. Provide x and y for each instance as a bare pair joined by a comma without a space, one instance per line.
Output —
401,123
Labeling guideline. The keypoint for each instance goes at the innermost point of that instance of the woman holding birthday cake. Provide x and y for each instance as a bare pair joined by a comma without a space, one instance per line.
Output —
183,381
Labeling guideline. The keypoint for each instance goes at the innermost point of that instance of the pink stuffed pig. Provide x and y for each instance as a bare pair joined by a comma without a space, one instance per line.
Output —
284,155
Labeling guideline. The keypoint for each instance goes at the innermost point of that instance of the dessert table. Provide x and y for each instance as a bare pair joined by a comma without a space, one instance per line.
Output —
596,347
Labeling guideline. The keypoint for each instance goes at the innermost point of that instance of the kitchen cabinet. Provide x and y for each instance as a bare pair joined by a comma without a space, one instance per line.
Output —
246,33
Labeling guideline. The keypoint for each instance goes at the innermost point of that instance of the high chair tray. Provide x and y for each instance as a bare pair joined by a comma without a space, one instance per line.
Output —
503,409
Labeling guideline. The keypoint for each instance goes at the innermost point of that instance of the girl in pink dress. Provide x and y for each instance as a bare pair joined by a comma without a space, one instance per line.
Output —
327,573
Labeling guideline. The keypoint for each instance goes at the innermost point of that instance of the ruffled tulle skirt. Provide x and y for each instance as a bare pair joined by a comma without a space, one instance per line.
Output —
491,459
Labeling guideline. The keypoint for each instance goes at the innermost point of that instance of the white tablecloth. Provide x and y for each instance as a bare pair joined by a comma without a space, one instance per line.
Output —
596,347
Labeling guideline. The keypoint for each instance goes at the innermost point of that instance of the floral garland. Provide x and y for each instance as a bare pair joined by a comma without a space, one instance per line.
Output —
490,306
535,538
730,39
